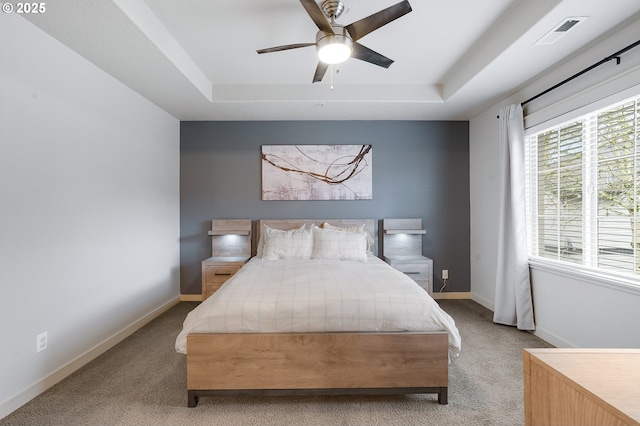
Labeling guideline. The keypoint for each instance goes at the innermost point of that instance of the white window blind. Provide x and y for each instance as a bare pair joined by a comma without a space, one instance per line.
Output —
583,190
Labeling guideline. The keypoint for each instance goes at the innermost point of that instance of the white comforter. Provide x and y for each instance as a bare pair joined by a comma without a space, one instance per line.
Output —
318,296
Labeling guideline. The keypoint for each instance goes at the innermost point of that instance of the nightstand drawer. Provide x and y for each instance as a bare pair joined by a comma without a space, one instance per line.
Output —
214,278
415,271
216,271
418,268
219,273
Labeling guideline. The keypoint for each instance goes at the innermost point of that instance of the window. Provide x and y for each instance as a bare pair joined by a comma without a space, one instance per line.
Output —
583,190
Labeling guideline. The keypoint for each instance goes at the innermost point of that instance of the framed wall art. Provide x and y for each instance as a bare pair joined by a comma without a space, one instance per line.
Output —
316,172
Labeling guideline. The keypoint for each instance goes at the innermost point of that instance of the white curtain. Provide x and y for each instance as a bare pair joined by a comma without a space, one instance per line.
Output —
513,305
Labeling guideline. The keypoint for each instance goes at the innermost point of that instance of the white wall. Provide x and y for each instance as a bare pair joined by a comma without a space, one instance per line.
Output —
89,216
484,188
570,311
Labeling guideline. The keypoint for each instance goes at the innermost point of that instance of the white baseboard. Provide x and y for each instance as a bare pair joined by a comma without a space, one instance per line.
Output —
552,338
191,298
539,332
452,295
489,304
18,400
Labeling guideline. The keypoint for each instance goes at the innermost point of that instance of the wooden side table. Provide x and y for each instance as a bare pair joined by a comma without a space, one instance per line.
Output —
418,268
402,249
230,249
217,270
581,386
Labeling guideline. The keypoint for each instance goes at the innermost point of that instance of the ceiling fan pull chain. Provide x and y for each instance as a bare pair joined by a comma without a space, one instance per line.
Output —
331,72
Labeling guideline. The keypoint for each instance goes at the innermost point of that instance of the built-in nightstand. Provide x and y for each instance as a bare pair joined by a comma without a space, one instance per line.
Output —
418,268
402,249
230,249
217,270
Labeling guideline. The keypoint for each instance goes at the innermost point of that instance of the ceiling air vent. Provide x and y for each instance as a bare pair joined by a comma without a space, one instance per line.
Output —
559,30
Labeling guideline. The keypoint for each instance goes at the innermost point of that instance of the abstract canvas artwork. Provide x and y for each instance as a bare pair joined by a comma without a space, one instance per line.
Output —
316,172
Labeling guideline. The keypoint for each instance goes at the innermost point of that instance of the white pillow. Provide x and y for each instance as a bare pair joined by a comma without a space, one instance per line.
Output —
339,245
354,228
293,244
263,239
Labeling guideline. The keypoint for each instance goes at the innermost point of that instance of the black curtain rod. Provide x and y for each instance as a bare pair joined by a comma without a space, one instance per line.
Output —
615,56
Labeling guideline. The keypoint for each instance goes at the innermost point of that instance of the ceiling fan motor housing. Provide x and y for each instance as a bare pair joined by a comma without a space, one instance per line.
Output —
340,38
332,8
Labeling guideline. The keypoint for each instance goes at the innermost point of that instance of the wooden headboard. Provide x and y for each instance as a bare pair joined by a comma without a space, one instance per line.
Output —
286,224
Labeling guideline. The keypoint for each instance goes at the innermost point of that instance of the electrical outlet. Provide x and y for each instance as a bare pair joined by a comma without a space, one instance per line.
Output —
445,274
41,342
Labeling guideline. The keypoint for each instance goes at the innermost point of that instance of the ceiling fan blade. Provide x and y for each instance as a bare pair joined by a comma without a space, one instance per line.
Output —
316,14
285,47
364,26
363,53
321,70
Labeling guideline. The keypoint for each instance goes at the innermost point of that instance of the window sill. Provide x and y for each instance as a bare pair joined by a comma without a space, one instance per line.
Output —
613,281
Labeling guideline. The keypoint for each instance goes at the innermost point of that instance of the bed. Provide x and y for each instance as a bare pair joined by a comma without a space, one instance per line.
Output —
327,321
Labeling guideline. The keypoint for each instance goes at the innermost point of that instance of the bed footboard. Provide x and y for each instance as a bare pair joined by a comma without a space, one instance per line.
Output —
317,364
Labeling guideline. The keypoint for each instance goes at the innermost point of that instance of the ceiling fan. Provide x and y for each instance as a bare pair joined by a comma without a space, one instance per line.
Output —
336,43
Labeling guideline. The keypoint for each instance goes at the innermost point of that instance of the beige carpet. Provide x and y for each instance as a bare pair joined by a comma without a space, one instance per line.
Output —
142,381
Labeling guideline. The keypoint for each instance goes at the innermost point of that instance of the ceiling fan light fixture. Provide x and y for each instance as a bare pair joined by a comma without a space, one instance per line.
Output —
335,43
334,53
333,48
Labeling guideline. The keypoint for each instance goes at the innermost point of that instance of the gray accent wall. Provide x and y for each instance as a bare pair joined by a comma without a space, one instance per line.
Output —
420,170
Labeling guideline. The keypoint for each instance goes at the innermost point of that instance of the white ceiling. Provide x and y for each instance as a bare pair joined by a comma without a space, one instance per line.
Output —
197,59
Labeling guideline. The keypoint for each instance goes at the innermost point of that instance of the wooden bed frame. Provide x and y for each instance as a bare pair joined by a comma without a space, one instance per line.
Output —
317,363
